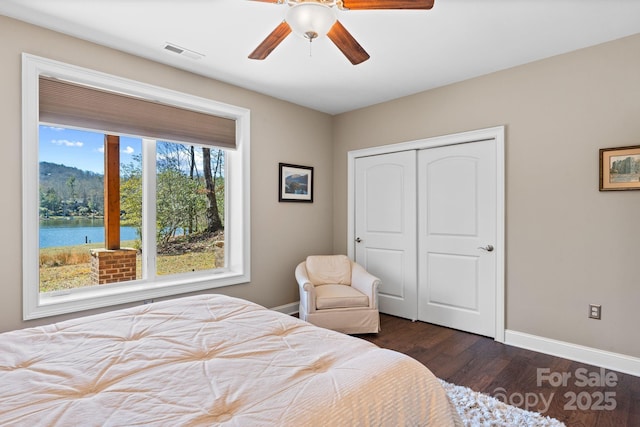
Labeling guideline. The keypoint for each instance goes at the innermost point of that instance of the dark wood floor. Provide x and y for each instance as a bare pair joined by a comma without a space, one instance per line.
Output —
511,374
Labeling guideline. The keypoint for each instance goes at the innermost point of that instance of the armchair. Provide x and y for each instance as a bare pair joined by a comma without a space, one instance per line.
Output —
339,294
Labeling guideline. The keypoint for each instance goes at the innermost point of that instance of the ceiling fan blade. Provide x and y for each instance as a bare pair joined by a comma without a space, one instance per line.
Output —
387,4
339,35
271,42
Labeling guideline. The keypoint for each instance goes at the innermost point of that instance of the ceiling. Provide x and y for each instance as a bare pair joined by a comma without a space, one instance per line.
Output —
411,51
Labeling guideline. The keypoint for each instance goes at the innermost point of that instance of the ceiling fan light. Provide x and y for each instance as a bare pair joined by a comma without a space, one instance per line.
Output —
310,20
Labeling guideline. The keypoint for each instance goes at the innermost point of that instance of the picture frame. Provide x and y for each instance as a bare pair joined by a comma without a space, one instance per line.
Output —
620,168
295,183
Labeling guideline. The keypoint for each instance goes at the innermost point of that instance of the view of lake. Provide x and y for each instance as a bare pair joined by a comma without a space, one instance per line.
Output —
76,231
624,177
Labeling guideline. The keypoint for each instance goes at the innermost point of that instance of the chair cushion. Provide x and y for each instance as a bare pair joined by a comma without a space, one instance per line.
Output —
329,269
339,296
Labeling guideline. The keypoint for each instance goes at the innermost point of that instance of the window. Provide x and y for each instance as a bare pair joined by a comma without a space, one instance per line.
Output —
120,172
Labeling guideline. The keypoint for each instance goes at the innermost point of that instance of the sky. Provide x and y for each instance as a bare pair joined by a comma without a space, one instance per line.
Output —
81,149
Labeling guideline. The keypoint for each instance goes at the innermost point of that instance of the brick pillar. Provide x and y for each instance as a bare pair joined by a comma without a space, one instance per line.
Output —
113,265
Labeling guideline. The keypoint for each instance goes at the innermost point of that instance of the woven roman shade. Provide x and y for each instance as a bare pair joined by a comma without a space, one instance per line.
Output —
71,104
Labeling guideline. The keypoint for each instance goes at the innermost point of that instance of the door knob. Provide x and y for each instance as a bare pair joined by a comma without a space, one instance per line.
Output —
488,248
358,240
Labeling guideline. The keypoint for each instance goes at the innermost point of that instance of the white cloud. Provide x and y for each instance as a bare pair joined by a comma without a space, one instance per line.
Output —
128,150
101,149
67,143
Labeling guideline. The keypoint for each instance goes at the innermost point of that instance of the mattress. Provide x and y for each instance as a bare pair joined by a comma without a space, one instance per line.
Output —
209,360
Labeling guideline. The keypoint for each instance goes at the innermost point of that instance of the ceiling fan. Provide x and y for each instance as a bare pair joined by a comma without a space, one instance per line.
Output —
315,18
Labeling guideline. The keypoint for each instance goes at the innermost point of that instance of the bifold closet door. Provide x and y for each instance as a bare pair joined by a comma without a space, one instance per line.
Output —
457,232
385,228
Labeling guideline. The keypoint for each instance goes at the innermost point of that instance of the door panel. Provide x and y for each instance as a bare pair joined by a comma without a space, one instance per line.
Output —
456,217
385,228
386,265
452,192
444,269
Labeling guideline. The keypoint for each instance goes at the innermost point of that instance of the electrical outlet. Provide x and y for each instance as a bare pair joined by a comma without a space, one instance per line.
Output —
595,311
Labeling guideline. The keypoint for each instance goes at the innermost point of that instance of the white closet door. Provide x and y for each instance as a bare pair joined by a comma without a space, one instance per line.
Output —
385,228
457,235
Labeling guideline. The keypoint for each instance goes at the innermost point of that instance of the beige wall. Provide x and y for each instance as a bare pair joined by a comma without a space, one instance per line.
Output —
276,127
568,244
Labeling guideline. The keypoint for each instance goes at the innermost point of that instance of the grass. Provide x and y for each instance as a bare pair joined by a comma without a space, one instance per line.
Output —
193,261
68,255
64,277
69,267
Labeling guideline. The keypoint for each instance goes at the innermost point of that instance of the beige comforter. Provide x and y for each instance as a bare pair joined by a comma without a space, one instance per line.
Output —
208,360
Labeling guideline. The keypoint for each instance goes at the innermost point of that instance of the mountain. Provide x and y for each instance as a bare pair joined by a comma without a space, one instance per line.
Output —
296,184
301,179
67,190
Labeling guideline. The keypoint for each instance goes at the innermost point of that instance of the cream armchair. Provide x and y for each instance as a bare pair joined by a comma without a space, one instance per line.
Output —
339,294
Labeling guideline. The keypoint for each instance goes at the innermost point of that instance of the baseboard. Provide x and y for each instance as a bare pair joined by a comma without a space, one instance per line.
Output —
579,353
592,356
289,309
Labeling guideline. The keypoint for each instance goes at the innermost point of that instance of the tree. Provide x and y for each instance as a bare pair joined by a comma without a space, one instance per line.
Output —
131,195
193,223
214,223
71,183
49,202
184,201
177,196
218,172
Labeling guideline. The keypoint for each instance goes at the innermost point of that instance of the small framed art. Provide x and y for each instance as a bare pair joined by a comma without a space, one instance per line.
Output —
620,168
295,183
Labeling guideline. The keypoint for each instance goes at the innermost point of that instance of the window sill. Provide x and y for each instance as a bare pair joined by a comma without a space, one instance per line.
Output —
61,302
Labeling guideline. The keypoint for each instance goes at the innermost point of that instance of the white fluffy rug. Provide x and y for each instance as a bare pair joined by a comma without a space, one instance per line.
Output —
477,409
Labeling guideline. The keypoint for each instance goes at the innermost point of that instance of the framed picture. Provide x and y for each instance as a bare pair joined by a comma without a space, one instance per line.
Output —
620,168
295,183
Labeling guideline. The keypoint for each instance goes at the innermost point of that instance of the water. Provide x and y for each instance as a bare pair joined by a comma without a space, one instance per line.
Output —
624,177
77,231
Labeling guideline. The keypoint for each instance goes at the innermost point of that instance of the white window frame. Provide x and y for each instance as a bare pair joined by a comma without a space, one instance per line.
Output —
237,212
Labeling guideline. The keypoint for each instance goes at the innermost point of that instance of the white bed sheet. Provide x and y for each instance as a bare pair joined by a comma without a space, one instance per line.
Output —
209,360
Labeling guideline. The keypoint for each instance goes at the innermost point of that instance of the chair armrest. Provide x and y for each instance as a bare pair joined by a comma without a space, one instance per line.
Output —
307,289
366,283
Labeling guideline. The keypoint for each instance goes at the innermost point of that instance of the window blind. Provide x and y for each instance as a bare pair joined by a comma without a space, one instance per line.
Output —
71,104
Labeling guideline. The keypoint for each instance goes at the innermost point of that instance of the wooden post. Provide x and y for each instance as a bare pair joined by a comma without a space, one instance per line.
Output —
112,192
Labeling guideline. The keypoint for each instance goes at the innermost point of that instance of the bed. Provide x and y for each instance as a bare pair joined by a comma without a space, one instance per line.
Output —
209,360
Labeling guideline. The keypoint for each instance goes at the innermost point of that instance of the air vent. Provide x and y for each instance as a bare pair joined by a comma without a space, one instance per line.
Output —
182,51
